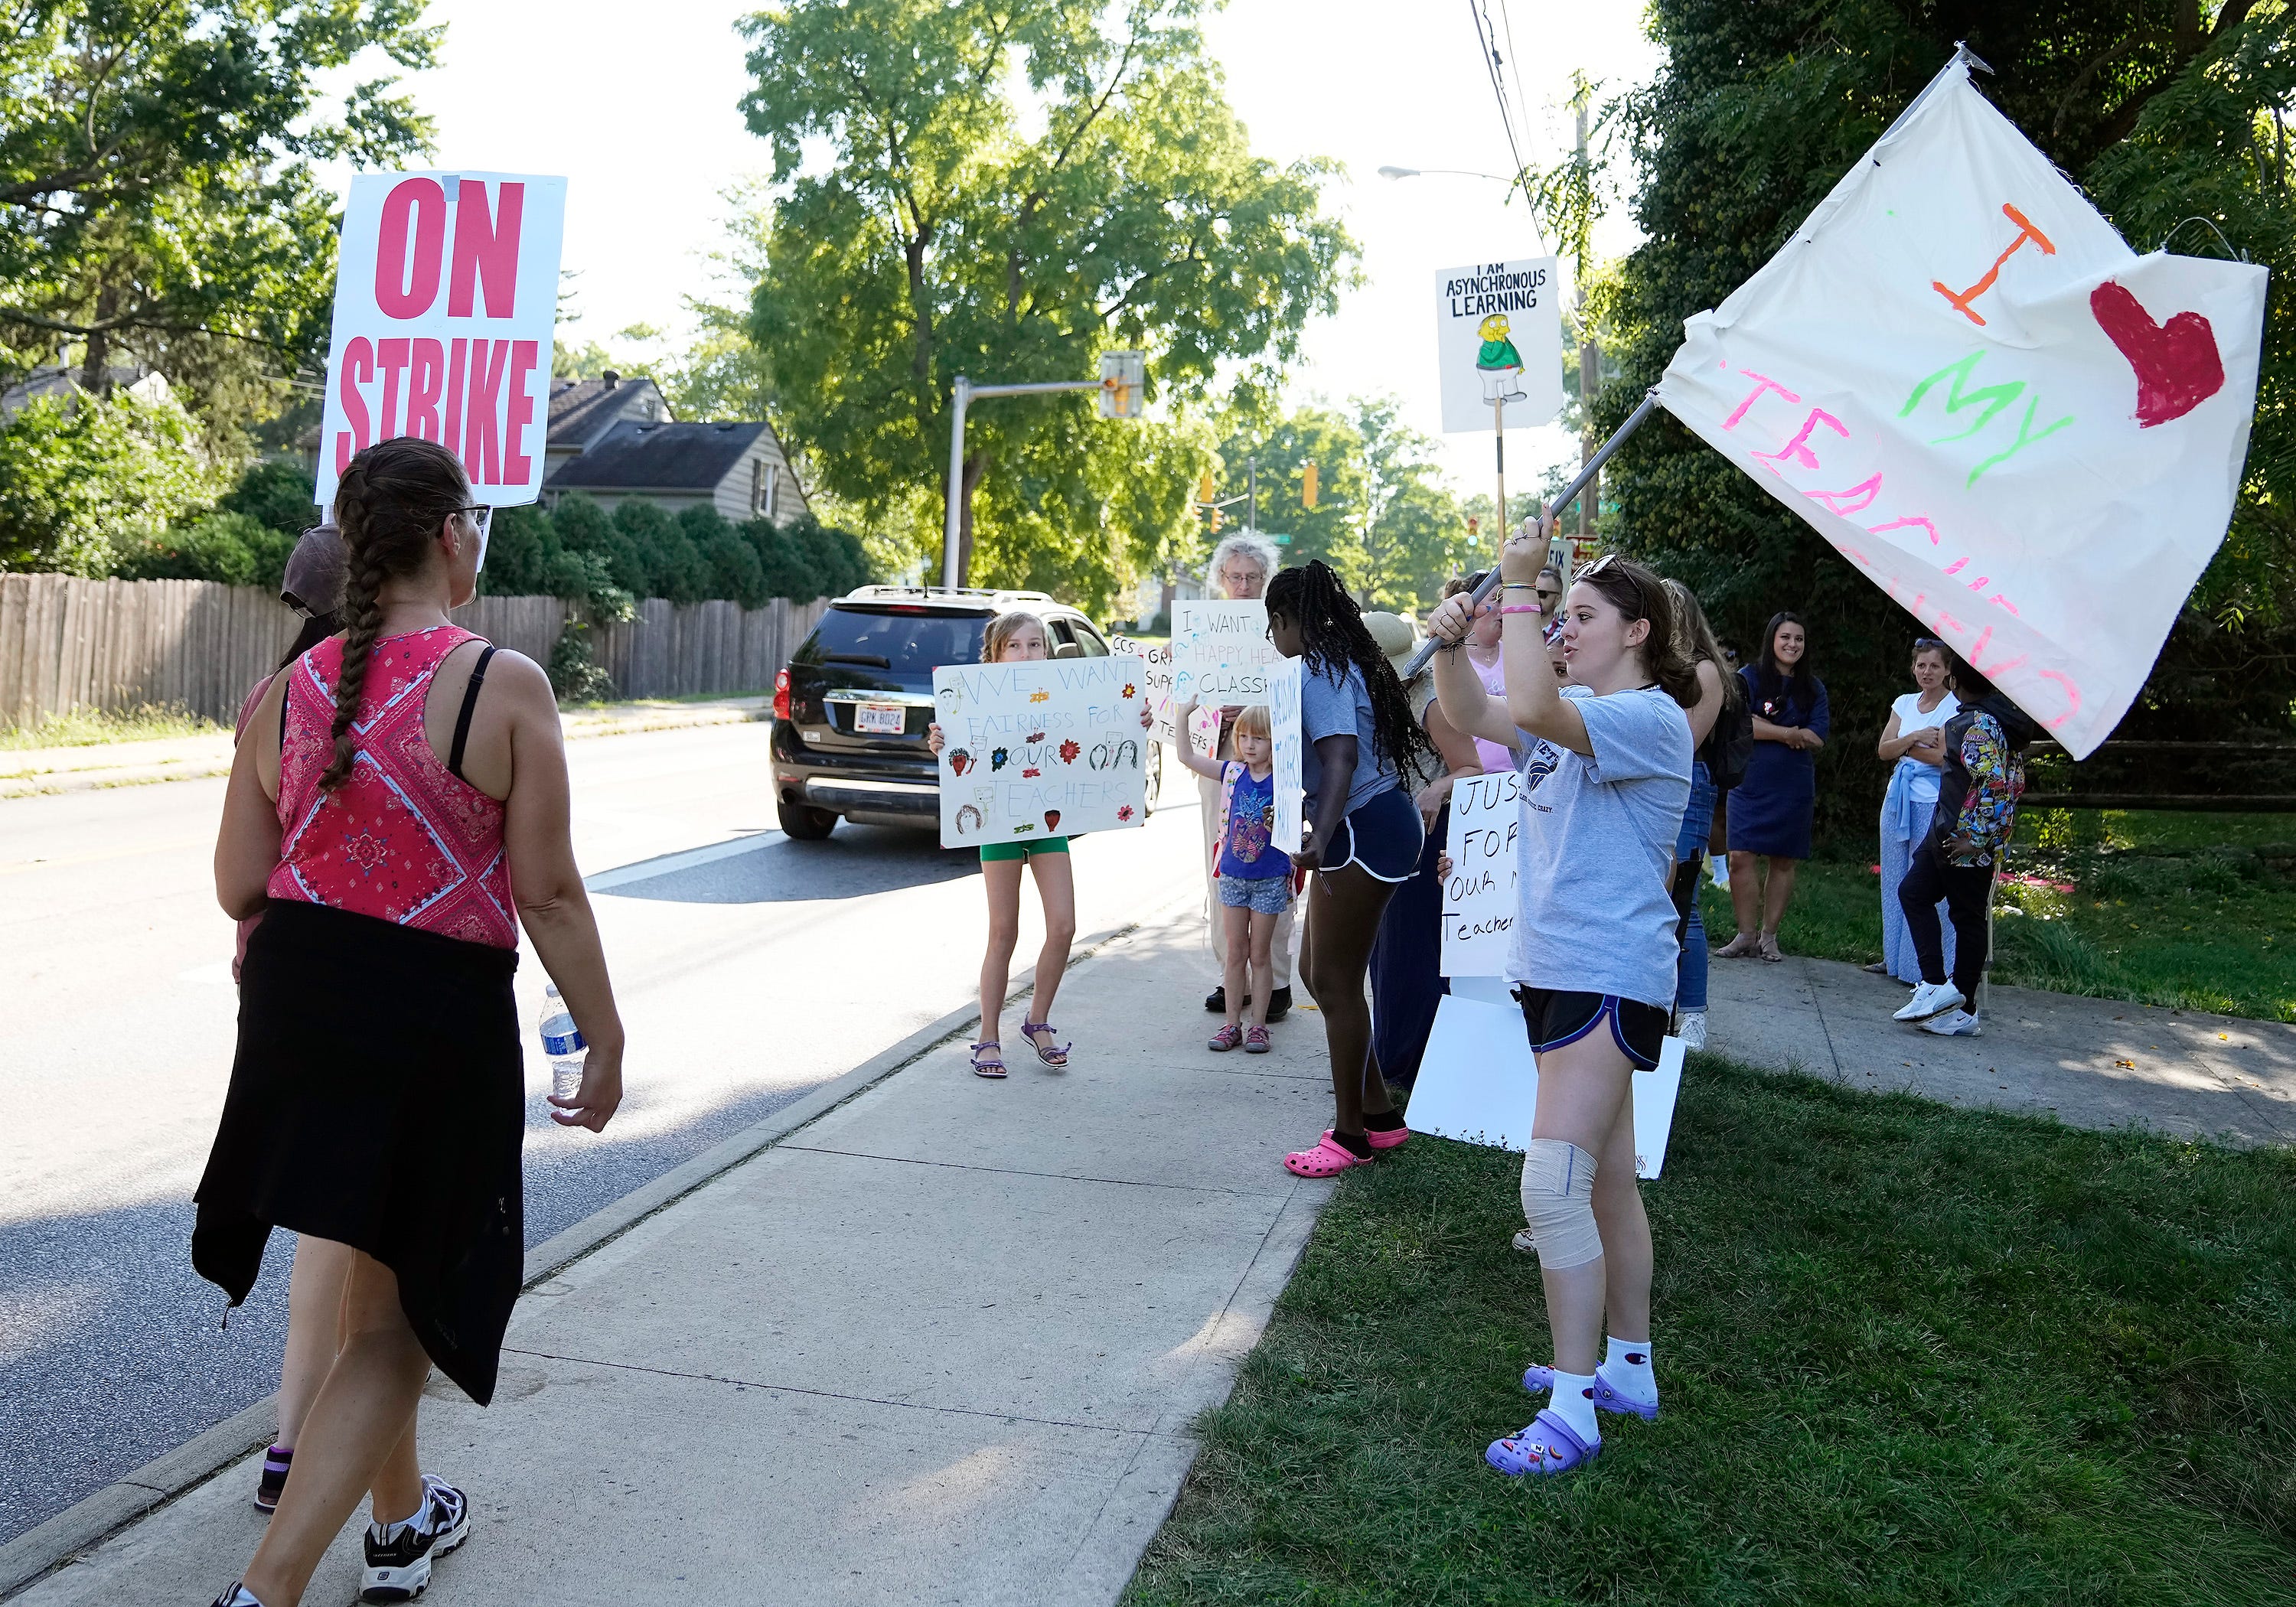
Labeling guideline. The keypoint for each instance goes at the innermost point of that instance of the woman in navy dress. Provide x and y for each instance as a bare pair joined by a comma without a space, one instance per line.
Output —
1770,810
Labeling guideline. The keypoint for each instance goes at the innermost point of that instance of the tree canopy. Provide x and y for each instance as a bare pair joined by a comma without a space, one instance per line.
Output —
157,200
2161,108
1010,187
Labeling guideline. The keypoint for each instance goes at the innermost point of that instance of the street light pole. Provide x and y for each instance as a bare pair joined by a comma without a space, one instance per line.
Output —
965,392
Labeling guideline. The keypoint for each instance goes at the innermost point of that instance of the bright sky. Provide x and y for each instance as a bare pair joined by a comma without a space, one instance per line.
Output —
643,121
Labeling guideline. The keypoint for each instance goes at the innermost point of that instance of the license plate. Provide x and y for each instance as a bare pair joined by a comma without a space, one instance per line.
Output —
880,720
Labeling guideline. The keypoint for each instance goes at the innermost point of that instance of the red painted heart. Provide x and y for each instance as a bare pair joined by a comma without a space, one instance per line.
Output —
2177,367
1051,820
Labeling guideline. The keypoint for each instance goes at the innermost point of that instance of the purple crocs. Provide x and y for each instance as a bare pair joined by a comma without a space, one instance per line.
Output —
1547,1446
1540,1380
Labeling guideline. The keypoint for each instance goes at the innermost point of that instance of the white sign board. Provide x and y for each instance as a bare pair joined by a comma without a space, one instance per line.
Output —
1498,337
1478,897
446,309
1283,724
1157,657
1220,652
1039,749
1958,374
1479,1084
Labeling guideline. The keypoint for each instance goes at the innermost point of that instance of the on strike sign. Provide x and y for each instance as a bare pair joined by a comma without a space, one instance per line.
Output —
446,309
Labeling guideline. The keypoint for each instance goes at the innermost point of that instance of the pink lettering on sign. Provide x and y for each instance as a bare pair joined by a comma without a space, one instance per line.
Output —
2072,695
2026,230
1855,500
483,425
1762,383
486,249
523,356
457,364
358,367
409,248
1913,521
1797,449
391,356
426,375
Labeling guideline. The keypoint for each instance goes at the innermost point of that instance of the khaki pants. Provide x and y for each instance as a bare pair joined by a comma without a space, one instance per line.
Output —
1214,919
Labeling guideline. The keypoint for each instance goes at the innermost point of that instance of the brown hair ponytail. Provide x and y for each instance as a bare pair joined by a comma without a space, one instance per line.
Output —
1638,593
390,501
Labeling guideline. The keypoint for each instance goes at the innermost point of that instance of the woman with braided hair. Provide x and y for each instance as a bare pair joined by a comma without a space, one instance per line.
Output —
416,796
1364,837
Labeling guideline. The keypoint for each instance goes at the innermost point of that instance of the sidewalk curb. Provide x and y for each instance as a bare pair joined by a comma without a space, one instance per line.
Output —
41,1550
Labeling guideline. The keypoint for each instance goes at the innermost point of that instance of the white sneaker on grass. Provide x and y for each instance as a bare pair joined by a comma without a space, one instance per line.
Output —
1931,998
1692,1030
1955,1023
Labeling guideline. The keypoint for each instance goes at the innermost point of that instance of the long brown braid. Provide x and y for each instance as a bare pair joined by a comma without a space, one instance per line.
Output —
391,502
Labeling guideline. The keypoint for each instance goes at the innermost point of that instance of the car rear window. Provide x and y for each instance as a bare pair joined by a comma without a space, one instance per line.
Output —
912,645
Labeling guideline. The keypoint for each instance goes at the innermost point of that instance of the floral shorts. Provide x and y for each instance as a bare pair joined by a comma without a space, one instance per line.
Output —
1264,895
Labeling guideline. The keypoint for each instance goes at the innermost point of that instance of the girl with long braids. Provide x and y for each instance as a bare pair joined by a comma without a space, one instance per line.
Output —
1605,779
415,798
1364,838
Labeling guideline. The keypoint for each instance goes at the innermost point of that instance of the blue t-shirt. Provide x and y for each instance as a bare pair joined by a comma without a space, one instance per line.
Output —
1249,852
1342,708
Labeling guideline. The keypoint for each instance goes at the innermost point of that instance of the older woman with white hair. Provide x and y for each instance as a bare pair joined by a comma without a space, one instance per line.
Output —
1239,571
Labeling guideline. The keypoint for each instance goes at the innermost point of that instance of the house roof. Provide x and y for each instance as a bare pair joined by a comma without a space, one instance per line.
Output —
580,409
636,456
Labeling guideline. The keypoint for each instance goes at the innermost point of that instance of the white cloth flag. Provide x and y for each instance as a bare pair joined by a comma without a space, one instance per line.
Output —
1965,381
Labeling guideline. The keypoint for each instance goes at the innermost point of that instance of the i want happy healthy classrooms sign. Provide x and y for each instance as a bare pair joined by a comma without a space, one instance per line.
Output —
446,309
1041,749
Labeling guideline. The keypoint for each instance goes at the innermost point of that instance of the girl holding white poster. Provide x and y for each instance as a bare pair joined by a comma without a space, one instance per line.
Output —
1365,836
1604,782
1019,638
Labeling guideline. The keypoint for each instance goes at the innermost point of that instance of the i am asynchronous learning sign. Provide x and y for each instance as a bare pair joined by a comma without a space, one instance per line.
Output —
1045,749
446,309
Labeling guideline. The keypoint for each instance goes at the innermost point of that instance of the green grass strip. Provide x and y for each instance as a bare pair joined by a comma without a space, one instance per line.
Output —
1907,1354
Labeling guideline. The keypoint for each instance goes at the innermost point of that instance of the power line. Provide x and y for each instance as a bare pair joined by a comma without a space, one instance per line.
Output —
1487,40
1515,65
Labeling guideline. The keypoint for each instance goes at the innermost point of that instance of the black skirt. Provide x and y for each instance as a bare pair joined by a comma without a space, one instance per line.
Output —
378,1100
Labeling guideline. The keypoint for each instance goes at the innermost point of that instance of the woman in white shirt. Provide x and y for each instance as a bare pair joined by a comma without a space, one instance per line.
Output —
1912,744
1605,778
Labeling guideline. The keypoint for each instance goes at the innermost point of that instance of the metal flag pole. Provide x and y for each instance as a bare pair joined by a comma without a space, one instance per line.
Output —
1587,471
1499,449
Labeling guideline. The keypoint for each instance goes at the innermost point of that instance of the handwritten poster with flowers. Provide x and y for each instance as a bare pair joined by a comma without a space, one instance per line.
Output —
1046,749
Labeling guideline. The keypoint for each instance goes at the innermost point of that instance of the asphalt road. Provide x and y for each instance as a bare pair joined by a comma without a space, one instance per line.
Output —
750,969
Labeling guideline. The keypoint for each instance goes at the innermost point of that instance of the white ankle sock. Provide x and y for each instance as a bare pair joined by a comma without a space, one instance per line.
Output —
1626,1368
1573,1401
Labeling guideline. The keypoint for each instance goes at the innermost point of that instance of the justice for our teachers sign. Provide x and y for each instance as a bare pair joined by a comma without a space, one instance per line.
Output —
446,309
1499,338
1479,896
1964,378
1041,749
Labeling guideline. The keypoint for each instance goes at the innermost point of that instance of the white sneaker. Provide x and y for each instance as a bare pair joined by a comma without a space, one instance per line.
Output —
1929,998
1692,1029
1955,1023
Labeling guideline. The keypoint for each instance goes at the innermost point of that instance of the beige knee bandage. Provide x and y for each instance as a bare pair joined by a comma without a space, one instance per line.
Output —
1558,1202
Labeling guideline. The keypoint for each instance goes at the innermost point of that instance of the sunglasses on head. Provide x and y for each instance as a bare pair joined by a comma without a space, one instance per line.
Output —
1928,644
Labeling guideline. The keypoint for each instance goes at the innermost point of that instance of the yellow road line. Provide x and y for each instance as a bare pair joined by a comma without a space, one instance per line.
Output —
16,866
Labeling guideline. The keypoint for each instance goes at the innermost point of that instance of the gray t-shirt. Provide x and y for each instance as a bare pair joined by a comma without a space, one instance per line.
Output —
1341,708
1598,831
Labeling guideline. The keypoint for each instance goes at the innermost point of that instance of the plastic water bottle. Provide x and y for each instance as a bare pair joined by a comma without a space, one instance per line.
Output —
563,1043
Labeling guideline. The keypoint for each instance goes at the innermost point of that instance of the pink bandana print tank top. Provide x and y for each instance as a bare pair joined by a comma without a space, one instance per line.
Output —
404,840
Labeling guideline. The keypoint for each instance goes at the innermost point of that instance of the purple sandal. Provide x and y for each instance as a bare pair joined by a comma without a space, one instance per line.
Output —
1547,1446
987,1065
1540,1380
1055,1055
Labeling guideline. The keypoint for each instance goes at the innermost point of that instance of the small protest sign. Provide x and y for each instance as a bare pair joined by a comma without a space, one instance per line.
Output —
1478,897
1499,338
1045,749
446,309
1479,1084
1220,652
1282,693
1157,657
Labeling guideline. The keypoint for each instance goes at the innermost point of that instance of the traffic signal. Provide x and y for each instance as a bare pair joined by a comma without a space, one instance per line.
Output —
1219,517
1204,487
1307,485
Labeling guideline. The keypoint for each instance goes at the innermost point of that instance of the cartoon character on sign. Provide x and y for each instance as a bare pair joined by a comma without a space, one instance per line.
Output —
950,697
960,761
968,821
1498,362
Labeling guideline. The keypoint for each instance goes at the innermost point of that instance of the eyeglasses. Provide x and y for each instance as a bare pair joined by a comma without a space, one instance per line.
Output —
482,520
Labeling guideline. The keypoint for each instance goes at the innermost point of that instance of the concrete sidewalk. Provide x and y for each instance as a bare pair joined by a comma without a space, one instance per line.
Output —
33,772
2090,1063
940,1345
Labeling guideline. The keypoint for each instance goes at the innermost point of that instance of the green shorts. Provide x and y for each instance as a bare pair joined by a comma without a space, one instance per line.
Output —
1021,850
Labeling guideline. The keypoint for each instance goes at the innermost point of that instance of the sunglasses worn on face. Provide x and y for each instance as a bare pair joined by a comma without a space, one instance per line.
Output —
482,520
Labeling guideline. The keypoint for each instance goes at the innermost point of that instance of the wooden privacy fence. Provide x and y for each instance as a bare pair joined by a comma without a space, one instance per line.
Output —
69,644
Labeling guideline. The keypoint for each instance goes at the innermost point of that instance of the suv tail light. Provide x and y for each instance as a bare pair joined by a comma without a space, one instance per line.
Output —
781,694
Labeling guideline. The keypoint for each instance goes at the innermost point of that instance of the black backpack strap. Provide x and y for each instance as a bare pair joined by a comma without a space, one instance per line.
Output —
463,720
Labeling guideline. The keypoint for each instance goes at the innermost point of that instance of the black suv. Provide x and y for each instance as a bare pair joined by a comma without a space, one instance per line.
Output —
851,710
